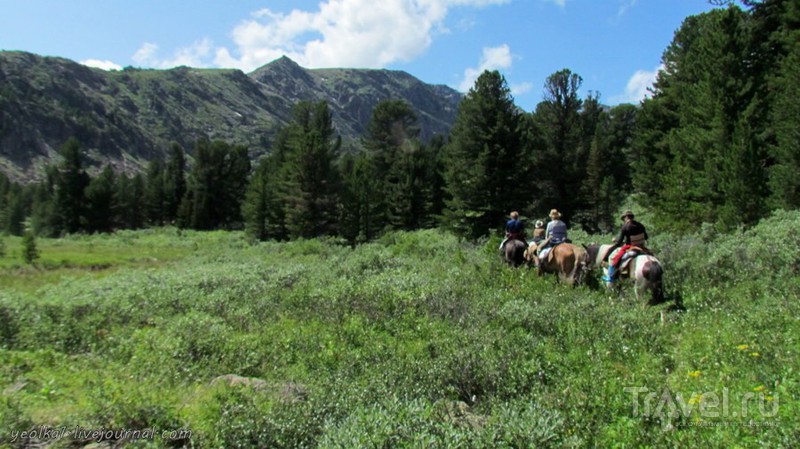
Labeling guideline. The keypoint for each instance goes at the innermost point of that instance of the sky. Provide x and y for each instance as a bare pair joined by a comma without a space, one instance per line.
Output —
614,45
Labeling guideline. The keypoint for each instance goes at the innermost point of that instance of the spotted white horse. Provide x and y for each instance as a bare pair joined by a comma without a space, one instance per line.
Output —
644,270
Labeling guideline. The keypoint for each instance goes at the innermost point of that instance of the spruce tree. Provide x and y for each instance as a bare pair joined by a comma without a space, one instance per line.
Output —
399,165
5,185
216,186
17,208
30,252
43,216
69,201
259,201
487,159
360,199
703,130
174,182
100,199
311,181
154,194
561,163
777,28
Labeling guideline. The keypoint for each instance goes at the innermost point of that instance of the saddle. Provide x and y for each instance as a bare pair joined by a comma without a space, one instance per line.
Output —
546,254
629,255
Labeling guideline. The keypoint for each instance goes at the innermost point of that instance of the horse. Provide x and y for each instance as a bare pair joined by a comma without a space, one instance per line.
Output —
644,270
514,252
568,261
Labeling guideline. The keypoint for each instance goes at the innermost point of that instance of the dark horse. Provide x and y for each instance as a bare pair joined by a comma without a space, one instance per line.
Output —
514,252
568,261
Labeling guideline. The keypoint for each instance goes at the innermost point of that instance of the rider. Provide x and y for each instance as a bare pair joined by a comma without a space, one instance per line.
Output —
538,232
632,234
555,233
515,229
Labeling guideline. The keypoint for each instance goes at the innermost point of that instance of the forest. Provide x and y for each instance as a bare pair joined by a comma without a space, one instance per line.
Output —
324,298
716,142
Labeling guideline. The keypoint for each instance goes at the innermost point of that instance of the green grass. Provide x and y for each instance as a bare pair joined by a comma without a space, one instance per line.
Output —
90,257
417,340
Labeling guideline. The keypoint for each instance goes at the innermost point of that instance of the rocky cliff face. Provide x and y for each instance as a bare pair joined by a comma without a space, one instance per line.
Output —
127,117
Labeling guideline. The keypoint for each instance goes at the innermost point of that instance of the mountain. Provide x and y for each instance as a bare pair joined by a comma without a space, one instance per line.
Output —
130,116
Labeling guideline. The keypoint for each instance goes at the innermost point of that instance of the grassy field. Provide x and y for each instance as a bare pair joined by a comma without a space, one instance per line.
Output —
417,340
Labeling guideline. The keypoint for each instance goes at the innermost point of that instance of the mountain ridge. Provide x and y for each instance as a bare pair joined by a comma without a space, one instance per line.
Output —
127,117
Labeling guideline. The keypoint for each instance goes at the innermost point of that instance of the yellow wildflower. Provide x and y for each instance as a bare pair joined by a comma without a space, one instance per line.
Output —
695,399
743,347
694,374
759,388
769,398
755,354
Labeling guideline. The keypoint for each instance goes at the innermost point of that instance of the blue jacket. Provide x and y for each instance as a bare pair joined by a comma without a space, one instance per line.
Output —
514,227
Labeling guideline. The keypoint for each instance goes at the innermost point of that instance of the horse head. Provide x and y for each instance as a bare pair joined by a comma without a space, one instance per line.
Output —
592,252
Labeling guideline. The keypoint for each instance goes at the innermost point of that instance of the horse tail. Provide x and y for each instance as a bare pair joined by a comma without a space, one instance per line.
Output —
654,273
580,266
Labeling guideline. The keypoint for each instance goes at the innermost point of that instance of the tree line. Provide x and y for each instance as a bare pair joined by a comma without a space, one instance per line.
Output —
715,142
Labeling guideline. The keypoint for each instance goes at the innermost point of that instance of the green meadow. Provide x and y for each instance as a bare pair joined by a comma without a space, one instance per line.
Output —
416,340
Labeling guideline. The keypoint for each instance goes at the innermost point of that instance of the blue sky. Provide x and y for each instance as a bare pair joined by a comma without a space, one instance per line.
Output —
614,45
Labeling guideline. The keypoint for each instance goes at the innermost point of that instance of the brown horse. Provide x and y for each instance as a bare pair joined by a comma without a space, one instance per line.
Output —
568,261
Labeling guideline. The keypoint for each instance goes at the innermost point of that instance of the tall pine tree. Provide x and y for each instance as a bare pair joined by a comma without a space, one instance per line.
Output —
174,183
310,179
100,199
561,163
487,159
69,202
703,130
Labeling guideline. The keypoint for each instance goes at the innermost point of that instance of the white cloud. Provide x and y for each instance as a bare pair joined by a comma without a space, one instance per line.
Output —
342,33
105,65
146,53
637,88
625,6
494,58
192,56
521,89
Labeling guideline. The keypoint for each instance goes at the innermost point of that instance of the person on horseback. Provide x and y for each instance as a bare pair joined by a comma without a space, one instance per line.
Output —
632,235
538,232
555,233
515,230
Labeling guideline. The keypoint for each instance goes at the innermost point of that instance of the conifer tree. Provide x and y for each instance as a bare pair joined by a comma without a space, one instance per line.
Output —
311,181
16,209
5,185
129,211
174,182
399,165
487,159
100,199
43,217
700,155
360,199
776,27
154,195
261,201
216,186
69,201
30,252
561,163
